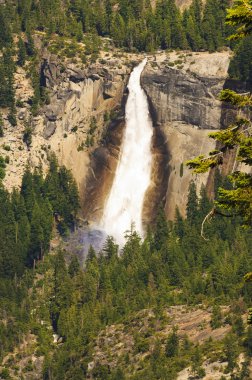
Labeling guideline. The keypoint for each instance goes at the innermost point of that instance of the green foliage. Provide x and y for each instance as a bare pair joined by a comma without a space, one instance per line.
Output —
240,16
112,288
2,167
241,64
80,303
12,116
238,199
235,99
161,230
61,190
216,320
21,52
172,344
133,25
7,68
1,125
5,32
197,360
27,137
192,204
238,326
231,351
181,170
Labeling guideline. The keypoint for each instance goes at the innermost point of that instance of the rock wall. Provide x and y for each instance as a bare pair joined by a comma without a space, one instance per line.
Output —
183,93
79,96
182,89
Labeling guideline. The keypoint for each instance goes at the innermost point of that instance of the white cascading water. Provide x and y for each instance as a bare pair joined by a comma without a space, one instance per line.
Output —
124,205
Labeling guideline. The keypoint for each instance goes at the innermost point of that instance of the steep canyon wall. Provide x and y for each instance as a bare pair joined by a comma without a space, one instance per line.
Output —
84,101
84,122
183,93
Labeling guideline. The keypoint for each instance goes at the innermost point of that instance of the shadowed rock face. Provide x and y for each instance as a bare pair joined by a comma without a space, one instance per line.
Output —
185,108
101,172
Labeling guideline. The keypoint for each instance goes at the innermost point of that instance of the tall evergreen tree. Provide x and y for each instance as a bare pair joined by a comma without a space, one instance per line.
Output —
192,205
21,52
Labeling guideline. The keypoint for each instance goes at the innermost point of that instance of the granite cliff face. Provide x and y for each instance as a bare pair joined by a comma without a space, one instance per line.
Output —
84,99
82,106
183,93
84,122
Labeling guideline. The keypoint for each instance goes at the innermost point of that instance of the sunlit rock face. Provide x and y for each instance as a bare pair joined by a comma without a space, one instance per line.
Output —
185,107
124,205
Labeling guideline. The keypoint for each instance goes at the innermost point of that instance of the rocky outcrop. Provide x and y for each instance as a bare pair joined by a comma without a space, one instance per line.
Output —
83,99
83,123
116,342
183,94
81,96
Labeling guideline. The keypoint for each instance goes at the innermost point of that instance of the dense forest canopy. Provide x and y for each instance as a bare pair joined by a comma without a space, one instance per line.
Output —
173,266
131,24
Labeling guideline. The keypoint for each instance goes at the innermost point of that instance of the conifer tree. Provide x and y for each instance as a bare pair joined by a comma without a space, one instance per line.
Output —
236,200
60,296
172,344
5,33
161,230
178,224
74,266
37,236
21,52
192,205
27,192
1,125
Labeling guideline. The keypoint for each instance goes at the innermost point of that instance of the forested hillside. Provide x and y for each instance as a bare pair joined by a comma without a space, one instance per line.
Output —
173,266
131,24
60,318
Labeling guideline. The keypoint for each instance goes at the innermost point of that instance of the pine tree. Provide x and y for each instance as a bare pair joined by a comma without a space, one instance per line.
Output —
192,205
172,344
7,93
37,236
21,52
74,266
204,203
161,230
61,290
196,360
240,66
1,125
5,33
110,249
231,351
30,48
9,258
27,192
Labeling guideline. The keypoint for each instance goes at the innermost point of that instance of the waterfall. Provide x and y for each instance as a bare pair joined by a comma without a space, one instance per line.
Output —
124,204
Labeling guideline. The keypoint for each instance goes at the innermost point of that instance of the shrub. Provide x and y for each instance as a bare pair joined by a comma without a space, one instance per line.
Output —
181,171
27,137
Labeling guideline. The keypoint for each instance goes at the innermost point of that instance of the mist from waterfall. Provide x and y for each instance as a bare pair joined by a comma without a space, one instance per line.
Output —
124,204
